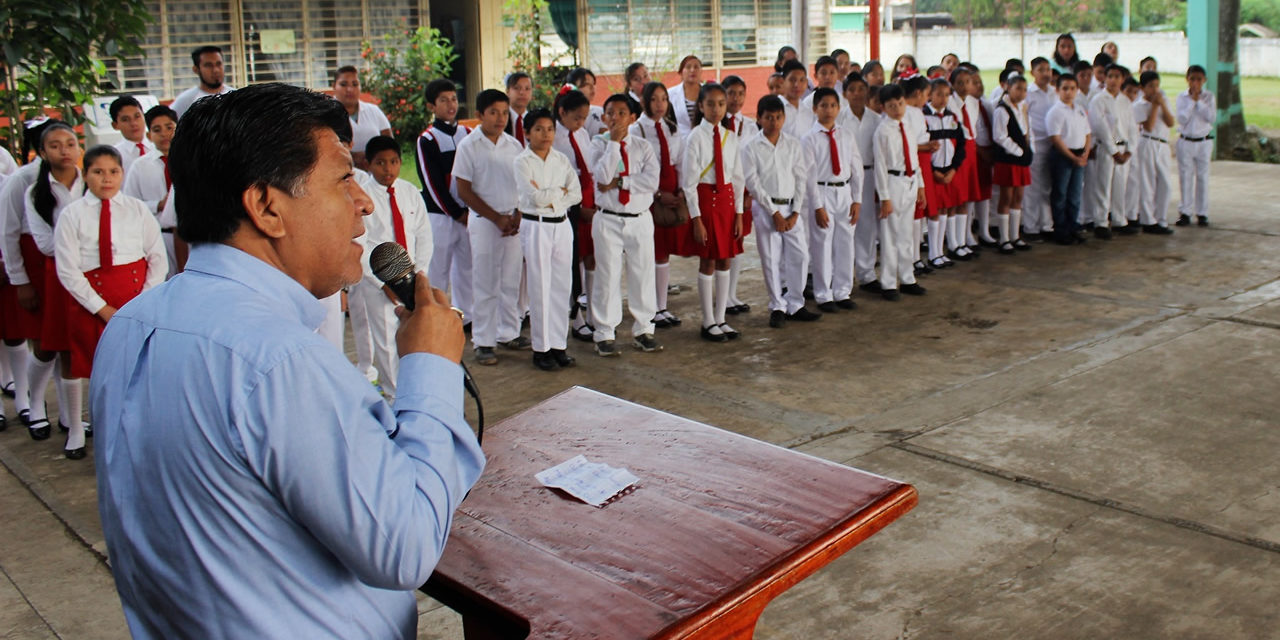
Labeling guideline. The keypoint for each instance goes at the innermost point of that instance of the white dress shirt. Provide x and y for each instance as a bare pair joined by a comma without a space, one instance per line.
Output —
547,187
867,134
41,231
745,127
135,235
642,169
13,220
1196,117
1126,126
778,171
889,157
818,144
488,166
1102,120
799,119
368,123
1038,104
1070,123
595,120
379,227
1141,111
583,136
982,125
145,181
946,120
647,129
698,164
130,153
1000,127
680,109
7,165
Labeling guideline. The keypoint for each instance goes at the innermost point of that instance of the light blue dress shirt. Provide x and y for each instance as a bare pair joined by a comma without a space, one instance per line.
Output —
251,482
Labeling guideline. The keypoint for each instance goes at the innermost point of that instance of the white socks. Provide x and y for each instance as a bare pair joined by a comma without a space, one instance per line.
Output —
935,238
721,281
952,239
19,357
982,210
919,237
1002,220
587,279
735,268
39,374
964,234
662,278
1015,224
706,295
69,414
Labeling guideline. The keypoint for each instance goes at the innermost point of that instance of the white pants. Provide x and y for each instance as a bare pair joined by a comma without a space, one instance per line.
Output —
831,249
1193,176
784,257
618,240
360,334
333,325
1106,193
495,275
1133,182
548,260
1037,214
1153,176
867,232
897,237
172,254
450,268
368,300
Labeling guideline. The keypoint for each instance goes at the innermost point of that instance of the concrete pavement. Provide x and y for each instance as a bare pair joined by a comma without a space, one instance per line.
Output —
1092,431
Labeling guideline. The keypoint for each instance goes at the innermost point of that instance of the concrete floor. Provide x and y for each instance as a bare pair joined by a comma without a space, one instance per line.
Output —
1091,429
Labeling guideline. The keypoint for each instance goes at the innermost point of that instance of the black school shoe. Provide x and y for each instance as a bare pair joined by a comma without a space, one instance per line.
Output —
39,430
804,315
74,454
891,295
545,361
913,289
1202,221
563,359
871,287
777,318
847,304
1127,230
1184,220
1157,230
1102,233
828,307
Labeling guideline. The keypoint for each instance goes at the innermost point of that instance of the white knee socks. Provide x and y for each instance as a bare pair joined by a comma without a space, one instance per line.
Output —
69,414
39,373
19,357
662,277
964,234
1015,224
935,238
1002,220
735,268
983,210
918,227
721,279
706,295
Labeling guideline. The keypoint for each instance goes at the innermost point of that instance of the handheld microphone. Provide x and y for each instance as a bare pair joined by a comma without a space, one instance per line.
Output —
391,264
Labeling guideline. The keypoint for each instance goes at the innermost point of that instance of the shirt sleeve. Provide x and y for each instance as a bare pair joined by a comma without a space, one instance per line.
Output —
644,179
67,260
572,193
527,188
434,177
463,163
12,211
378,489
1101,127
1185,106
881,167
811,181
855,163
691,172
737,179
380,118
153,246
1000,133
801,170
423,242
751,176
41,232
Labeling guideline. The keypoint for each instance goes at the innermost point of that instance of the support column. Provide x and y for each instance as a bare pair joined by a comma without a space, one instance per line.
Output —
1213,41
800,28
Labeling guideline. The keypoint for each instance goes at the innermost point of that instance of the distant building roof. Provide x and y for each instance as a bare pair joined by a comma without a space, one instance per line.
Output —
1255,30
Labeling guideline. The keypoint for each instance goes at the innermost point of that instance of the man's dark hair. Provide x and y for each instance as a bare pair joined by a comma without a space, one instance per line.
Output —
1144,60
195,55
891,91
825,61
792,65
233,142
1129,82
160,111
437,87
1148,77
578,75
1123,70
378,144
534,115
1015,63
824,92
120,103
769,104
838,52
345,69
488,98
632,105
516,76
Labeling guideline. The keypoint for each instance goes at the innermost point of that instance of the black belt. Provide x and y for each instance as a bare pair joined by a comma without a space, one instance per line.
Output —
620,214
1078,152
786,201
1121,143
867,167
1154,138
1190,139
168,230
833,184
895,172
530,216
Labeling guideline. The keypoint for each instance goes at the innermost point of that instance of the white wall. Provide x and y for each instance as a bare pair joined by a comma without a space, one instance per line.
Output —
991,47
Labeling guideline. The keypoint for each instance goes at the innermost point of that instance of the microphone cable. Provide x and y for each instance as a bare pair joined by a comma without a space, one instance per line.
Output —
469,384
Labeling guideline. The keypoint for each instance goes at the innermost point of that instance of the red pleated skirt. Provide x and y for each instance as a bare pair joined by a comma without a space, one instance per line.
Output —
117,285
56,304
1011,175
984,178
20,324
930,206
968,175
716,207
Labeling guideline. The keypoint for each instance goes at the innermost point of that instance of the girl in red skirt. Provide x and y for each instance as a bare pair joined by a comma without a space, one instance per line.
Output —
658,127
107,250
1012,137
916,88
982,140
966,108
58,183
712,179
945,129
572,112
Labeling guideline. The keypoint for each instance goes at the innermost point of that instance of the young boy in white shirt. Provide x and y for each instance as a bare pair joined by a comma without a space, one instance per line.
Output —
1037,214
127,118
149,181
485,174
1067,126
835,176
795,81
735,89
826,74
1197,111
1154,187
865,110
898,184
1106,191
776,170
520,92
399,216
450,267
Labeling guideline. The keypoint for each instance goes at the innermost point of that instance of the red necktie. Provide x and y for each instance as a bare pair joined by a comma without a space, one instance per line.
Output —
584,175
104,235
906,151
718,154
624,196
835,152
519,131
964,111
663,150
142,149
168,181
397,220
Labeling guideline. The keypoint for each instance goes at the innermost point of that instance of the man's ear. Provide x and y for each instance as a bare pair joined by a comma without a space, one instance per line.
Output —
263,204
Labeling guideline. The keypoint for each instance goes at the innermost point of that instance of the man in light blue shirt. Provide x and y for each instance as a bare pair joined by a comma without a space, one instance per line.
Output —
252,484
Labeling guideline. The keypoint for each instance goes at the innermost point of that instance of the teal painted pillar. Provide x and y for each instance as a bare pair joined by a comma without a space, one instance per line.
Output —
1212,37
1202,37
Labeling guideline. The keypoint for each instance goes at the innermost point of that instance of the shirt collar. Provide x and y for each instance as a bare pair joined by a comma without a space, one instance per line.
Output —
224,261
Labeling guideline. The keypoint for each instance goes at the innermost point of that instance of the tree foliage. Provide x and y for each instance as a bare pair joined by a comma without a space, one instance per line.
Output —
525,52
398,71
52,54
1263,12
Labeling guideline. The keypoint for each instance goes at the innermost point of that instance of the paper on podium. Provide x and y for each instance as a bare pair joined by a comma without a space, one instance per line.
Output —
594,483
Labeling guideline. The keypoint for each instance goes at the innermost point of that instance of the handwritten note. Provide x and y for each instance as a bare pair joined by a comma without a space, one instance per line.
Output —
594,483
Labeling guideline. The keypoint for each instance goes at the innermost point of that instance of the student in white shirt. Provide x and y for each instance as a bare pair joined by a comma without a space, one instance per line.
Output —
149,180
573,139
584,80
1133,182
949,189
1153,115
127,118
450,268
548,185
984,197
627,176
107,249
915,88
684,96
776,171
795,82
8,166
1037,214
637,76
898,184
1014,140
735,89
835,175
826,73
486,180
865,114
1197,111
400,216
367,120
206,62
520,92
1067,126
1107,189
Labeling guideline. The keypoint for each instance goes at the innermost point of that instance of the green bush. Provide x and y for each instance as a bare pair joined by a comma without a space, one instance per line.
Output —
398,71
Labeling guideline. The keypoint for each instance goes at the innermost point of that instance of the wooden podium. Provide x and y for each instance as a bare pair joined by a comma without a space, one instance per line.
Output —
719,525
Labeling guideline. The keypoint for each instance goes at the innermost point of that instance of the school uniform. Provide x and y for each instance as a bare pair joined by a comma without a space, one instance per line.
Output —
866,234
622,231
898,179
1127,127
497,260
983,201
945,128
150,182
1037,214
8,166
23,261
713,182
681,108
669,147
1152,169
399,215
55,302
799,119
745,128
965,183
547,188
1071,124
1196,119
1011,133
916,127
1106,191
450,267
515,126
776,176
806,103
835,175
131,151
367,123
577,147
106,252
